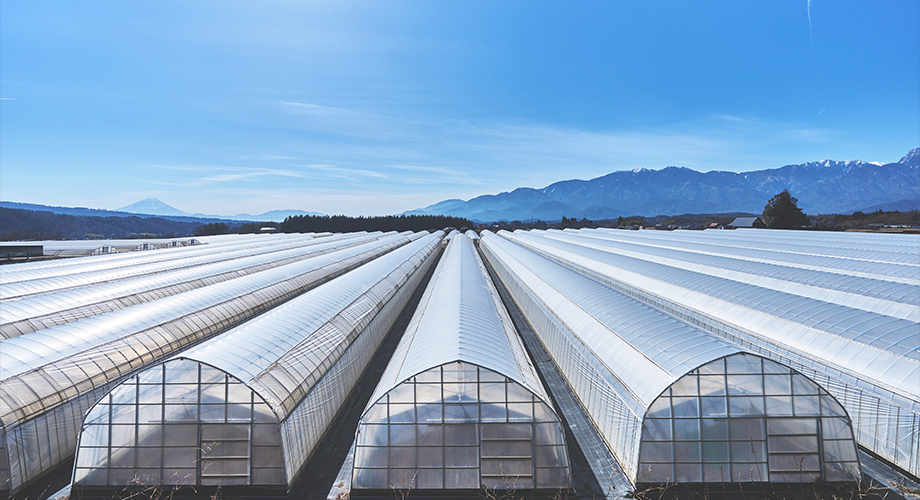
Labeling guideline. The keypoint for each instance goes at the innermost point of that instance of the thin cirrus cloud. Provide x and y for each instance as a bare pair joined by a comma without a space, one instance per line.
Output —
448,160
346,173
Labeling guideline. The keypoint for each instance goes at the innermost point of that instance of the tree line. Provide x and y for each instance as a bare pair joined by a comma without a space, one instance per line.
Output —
345,224
31,225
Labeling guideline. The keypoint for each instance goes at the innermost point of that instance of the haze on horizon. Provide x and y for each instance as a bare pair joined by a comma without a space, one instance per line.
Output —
378,107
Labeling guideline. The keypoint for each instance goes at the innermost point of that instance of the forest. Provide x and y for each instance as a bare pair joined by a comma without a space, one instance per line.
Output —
345,224
31,225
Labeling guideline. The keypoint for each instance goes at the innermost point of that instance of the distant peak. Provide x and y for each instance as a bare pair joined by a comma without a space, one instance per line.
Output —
912,156
151,206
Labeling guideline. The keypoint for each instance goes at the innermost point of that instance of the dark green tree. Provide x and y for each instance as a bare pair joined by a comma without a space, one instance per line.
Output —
781,212
210,229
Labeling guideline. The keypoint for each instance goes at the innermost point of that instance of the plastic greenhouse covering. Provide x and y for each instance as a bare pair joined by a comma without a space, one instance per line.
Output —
863,354
49,378
248,406
86,248
56,267
797,251
673,401
80,277
460,405
29,314
899,300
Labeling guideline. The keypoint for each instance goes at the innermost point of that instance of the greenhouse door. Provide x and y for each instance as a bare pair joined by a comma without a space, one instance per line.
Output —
507,456
225,454
792,445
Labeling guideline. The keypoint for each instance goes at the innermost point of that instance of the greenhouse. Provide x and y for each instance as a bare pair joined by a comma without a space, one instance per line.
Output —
75,301
204,244
50,377
39,281
56,267
246,408
460,406
674,402
851,331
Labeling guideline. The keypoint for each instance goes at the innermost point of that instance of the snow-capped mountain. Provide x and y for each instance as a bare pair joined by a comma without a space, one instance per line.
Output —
826,186
152,206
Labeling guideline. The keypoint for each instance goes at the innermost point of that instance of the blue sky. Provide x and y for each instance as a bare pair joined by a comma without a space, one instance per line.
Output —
377,107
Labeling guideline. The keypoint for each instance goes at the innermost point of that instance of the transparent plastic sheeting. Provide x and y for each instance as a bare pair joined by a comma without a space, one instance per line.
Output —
744,418
86,248
869,361
620,356
869,247
708,242
248,406
50,377
81,278
48,268
460,401
460,318
34,313
830,332
460,426
899,300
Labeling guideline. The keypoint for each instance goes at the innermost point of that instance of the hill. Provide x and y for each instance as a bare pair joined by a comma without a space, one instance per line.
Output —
152,207
18,224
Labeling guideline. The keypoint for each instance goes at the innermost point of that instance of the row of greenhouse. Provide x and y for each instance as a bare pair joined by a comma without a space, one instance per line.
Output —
728,357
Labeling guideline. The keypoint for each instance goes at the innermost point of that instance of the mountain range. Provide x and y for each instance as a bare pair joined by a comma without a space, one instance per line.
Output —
153,206
822,187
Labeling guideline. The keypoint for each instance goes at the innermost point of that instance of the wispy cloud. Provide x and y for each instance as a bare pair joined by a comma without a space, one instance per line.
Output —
409,162
346,173
8,98
259,157
434,170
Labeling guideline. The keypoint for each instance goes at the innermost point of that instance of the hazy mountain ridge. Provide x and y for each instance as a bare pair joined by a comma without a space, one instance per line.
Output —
153,206
826,186
96,212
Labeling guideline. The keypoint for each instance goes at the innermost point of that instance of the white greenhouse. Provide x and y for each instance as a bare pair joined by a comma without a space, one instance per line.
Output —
80,297
246,408
840,308
460,406
674,402
49,378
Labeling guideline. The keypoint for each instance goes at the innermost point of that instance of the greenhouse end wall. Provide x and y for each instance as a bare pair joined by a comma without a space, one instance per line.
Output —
744,418
180,423
460,426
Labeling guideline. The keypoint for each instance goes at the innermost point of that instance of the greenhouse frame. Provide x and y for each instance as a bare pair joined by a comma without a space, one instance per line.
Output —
247,408
21,284
205,245
74,301
674,402
460,406
736,360
50,378
850,328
